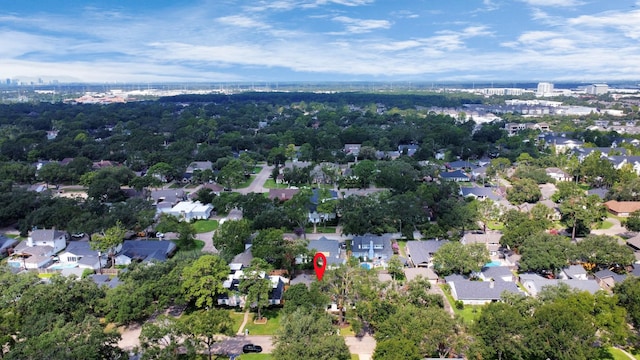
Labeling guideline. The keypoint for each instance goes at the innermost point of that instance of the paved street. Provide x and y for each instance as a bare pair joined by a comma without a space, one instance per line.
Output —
363,346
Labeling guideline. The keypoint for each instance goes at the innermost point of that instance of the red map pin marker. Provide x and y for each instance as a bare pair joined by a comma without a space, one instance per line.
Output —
319,268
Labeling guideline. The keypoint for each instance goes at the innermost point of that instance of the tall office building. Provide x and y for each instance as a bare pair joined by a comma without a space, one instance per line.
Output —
544,89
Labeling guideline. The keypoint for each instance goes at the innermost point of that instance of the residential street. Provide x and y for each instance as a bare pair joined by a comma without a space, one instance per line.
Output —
258,182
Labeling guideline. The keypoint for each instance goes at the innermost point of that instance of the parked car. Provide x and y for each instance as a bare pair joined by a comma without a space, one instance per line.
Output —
251,348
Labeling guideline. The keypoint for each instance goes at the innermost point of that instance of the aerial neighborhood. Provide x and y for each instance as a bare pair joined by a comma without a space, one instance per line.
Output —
460,223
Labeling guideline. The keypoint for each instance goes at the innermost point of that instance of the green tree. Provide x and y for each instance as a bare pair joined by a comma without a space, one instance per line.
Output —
628,294
232,174
582,212
544,252
256,284
396,349
499,330
632,223
160,339
456,258
230,238
524,191
305,335
202,280
604,252
108,241
204,327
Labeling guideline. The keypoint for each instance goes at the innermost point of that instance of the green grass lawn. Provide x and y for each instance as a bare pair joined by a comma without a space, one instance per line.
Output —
246,183
617,354
468,314
199,245
257,169
237,318
203,226
355,357
271,184
270,328
605,225
403,245
321,229
494,225
254,357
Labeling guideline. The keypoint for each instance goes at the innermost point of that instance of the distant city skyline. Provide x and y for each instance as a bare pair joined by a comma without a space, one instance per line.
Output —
320,40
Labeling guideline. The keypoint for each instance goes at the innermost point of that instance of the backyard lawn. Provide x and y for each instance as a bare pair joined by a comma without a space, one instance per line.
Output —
468,314
617,354
270,328
254,357
271,184
203,226
605,225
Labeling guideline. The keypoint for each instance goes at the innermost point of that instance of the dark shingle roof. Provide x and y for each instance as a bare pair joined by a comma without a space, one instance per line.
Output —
421,251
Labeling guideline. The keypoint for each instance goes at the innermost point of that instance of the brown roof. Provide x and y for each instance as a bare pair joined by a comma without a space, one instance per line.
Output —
622,206
282,194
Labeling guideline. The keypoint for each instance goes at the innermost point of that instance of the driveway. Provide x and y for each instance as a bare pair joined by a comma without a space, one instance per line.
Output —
257,185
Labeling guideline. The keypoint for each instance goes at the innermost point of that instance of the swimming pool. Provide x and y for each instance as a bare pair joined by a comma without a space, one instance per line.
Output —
493,263
62,266
366,266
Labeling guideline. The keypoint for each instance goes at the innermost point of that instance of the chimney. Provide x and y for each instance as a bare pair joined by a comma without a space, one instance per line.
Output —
491,284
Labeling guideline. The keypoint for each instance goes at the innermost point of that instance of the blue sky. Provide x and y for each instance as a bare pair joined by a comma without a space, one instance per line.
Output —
320,40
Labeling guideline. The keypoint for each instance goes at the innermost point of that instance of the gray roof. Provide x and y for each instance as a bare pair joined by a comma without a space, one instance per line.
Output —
6,242
167,195
243,258
602,193
540,282
634,242
427,273
421,251
482,290
46,235
490,237
603,274
146,250
382,245
329,247
483,192
496,272
81,248
574,270
102,279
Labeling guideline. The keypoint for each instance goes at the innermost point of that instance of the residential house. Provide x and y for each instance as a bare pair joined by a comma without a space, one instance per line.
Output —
103,164
502,273
622,208
420,253
38,250
535,283
576,272
6,245
80,254
411,273
352,149
189,210
331,249
479,292
244,258
372,247
457,175
410,149
555,214
215,189
460,165
561,143
282,195
105,280
479,193
144,251
600,192
558,174
316,217
607,279
634,243
491,239
233,297
196,166
165,199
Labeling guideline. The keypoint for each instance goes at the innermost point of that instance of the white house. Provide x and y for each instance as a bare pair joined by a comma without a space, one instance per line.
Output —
38,250
53,238
189,210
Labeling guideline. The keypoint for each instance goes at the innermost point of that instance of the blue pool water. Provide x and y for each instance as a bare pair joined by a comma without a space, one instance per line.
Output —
366,266
493,263
62,266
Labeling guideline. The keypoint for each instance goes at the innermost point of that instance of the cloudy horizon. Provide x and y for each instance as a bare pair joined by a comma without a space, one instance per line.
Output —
321,40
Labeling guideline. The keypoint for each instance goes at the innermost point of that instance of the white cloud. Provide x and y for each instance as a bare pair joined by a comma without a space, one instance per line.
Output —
360,26
242,21
554,3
